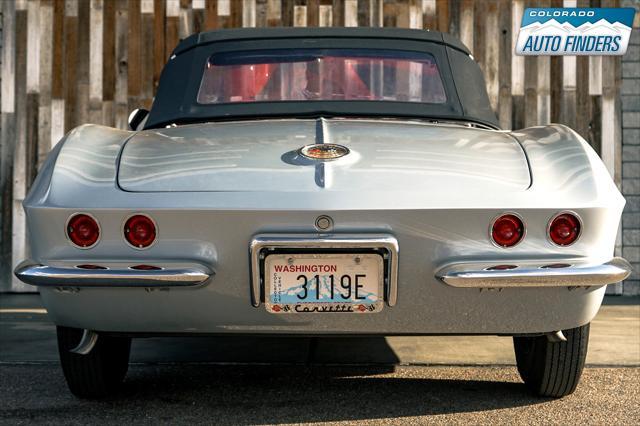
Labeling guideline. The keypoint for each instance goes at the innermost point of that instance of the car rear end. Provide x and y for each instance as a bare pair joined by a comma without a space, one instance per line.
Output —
240,234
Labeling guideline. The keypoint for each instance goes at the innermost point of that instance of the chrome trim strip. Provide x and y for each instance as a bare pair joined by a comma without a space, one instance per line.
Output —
55,276
322,241
578,274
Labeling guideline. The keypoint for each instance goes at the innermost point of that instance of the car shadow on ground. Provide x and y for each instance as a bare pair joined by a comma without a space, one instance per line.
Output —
300,394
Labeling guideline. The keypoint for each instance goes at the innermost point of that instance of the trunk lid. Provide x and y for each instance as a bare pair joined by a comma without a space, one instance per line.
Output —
264,156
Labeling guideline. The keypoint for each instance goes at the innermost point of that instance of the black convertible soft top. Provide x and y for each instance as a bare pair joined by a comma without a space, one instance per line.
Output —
175,101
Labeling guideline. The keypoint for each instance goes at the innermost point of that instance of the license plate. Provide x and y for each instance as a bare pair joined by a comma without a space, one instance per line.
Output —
329,282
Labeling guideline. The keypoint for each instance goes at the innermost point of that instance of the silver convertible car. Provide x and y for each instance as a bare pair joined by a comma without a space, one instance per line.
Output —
322,182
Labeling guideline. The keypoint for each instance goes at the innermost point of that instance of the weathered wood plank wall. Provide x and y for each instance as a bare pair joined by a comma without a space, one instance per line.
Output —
67,62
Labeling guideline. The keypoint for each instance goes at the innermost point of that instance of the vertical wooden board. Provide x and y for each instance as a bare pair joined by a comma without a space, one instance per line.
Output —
134,54
211,14
31,148
299,16
7,139
504,67
236,9
595,123
530,91
32,91
365,8
70,69
479,43
108,62
429,14
350,13
595,75
249,13
19,249
57,54
466,23
33,46
517,62
159,51
171,37
389,13
583,104
45,59
556,88
338,13
326,17
454,18
492,55
261,13
185,27
286,13
376,14
82,64
274,13
415,14
148,39
313,13
224,13
121,98
198,19
544,83
568,105
544,90
172,27
7,63
610,117
402,15
442,15
95,61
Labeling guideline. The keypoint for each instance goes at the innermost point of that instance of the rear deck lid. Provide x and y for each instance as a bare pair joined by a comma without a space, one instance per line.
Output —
265,156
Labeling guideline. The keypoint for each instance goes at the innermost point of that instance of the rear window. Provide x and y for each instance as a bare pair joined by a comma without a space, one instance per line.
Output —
321,75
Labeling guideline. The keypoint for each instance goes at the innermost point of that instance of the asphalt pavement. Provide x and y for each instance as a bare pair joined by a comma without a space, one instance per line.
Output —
401,380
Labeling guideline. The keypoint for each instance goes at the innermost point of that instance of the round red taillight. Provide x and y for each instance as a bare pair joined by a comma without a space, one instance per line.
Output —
83,230
507,230
564,229
140,231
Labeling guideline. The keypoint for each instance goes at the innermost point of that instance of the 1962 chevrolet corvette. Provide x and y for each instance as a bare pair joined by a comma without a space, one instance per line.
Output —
322,182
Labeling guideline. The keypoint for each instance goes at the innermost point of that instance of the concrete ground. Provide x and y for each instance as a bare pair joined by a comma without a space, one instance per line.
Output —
301,380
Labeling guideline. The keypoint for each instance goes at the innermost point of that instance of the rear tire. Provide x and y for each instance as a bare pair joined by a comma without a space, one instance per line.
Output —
98,373
552,369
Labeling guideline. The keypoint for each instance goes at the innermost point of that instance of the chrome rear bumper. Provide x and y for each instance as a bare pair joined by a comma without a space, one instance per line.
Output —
54,276
543,274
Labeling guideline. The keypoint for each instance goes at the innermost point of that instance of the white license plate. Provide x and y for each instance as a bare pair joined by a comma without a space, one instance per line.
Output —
329,282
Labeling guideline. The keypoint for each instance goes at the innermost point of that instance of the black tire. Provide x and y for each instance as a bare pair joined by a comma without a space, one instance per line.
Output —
552,369
98,373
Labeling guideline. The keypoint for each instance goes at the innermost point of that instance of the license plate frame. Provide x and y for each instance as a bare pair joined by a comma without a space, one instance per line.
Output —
349,263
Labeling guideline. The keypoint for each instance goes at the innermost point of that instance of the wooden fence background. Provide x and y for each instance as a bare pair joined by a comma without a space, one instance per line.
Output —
68,62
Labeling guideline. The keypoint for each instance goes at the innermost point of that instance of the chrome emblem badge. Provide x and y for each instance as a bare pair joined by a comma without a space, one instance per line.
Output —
324,151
